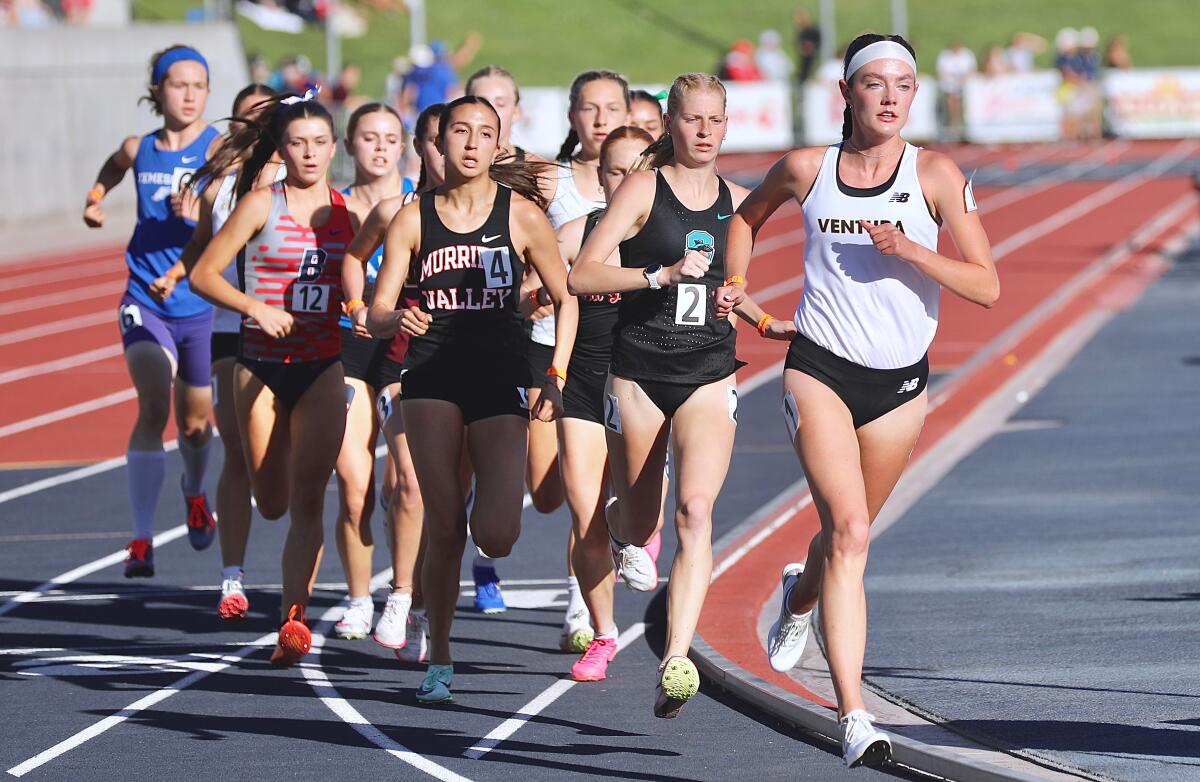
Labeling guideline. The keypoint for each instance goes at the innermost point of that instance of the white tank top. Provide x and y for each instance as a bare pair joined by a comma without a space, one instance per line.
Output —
877,311
568,204
227,321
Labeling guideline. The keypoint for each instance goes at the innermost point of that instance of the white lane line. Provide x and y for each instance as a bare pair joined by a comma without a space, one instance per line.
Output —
1057,176
110,265
140,705
57,299
160,539
780,519
536,706
54,416
60,326
315,675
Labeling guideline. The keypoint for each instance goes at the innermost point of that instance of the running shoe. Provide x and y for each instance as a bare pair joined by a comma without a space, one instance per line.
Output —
416,641
233,605
295,639
139,561
635,565
785,641
488,597
577,631
436,687
862,745
593,666
355,623
201,526
678,682
392,628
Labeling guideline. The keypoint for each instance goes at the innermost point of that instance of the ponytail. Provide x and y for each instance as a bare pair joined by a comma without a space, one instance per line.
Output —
572,140
662,151
857,45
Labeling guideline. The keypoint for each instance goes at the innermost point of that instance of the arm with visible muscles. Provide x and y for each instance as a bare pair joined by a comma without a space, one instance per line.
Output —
974,277
111,174
401,239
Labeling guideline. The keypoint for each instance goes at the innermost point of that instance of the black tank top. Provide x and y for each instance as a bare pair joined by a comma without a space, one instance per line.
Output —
469,283
597,317
673,335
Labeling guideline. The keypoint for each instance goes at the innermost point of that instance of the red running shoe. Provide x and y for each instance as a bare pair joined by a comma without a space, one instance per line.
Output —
201,526
234,604
139,562
294,641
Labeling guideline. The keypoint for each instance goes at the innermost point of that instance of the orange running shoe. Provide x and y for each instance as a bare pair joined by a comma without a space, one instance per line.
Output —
295,639
233,605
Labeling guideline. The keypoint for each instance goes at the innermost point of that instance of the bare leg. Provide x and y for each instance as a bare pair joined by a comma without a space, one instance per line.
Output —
356,482
233,487
584,469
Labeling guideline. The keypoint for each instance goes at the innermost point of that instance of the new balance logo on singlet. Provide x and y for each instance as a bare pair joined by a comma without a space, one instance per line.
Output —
908,386
898,198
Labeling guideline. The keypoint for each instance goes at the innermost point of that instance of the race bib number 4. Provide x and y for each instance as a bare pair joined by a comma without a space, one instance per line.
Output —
691,306
307,297
497,267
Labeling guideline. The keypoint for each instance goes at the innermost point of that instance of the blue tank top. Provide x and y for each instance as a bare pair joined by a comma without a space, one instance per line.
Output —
159,237
376,259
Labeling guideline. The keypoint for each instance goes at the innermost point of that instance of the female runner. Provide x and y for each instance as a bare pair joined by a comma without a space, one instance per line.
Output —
673,359
375,139
233,487
469,240
165,337
288,384
403,626
646,112
855,375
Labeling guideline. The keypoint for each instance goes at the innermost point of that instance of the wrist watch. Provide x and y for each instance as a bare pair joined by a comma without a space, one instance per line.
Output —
651,274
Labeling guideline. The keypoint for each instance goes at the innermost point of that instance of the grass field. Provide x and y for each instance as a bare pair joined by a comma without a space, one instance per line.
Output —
546,42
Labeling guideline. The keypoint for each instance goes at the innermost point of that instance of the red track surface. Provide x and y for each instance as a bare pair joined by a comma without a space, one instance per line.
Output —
53,308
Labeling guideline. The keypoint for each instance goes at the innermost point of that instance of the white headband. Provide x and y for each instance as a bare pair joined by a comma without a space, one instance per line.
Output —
880,50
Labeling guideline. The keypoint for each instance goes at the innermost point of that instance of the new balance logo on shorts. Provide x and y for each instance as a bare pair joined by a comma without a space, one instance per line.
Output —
908,386
898,198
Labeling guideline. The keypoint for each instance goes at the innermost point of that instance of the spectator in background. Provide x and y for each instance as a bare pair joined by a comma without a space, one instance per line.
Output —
773,63
996,62
739,63
260,69
30,14
1116,54
954,66
394,84
808,43
1022,50
1079,92
833,69
430,81
1066,44
345,94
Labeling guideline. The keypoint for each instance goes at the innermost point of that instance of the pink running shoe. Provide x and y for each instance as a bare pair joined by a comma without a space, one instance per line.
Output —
593,666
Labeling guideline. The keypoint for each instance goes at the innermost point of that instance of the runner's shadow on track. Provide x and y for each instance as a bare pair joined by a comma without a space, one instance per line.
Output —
1184,597
1104,738
582,750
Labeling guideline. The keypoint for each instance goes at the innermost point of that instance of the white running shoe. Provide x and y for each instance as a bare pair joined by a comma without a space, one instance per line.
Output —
635,565
577,632
355,623
416,639
392,630
862,745
785,642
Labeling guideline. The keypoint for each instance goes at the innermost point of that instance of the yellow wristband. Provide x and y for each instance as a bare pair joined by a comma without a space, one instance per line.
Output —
736,279
556,372
350,306
763,322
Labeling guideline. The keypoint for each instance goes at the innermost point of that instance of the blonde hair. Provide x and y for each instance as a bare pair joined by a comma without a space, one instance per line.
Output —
496,71
662,151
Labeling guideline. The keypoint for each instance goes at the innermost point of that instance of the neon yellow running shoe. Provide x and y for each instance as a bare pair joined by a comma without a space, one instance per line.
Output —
678,682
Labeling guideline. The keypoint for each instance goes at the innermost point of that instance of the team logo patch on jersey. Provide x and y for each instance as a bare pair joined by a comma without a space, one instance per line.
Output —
701,242
898,198
312,265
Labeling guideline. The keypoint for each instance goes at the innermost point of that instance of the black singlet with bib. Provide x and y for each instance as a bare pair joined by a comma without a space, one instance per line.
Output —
673,336
469,283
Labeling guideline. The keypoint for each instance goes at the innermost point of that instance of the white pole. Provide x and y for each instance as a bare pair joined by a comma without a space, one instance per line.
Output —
900,17
829,45
416,19
333,45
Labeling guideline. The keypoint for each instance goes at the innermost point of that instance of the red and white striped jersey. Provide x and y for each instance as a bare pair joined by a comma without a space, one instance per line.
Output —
297,268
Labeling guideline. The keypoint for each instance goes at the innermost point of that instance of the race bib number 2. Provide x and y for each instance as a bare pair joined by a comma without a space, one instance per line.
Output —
307,297
691,306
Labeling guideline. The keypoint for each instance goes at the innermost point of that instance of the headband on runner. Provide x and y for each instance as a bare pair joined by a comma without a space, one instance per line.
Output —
176,55
880,50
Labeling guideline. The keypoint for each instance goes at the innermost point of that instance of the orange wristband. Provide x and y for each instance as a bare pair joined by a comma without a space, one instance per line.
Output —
94,195
763,322
556,372
736,279
348,307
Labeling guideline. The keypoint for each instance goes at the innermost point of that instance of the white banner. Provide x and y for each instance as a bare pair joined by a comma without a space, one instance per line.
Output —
1013,107
824,108
760,118
1153,103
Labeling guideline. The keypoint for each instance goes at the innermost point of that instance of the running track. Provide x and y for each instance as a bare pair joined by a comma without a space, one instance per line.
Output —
57,327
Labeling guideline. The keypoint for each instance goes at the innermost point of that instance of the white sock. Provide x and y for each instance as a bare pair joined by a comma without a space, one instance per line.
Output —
233,572
611,635
575,602
146,470
365,600
195,462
